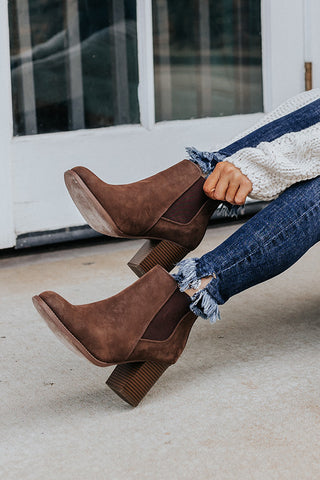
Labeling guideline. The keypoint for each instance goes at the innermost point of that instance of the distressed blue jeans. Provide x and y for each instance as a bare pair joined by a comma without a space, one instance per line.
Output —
267,244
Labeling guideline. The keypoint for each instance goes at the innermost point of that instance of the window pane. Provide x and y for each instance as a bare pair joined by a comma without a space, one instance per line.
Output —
207,58
73,64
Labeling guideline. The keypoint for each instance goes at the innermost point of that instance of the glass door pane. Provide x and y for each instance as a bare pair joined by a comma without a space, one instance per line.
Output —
207,58
73,64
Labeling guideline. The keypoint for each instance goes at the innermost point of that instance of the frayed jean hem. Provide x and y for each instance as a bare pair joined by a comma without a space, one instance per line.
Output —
202,303
205,160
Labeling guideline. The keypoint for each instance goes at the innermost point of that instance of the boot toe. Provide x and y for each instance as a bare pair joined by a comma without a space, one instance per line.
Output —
58,304
93,182
61,317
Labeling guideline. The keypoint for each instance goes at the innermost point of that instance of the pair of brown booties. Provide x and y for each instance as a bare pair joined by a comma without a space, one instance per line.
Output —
143,329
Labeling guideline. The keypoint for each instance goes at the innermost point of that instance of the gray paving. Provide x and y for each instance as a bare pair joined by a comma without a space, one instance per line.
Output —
241,403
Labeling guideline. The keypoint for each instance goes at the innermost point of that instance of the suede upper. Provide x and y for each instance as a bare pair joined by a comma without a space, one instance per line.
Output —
170,205
136,207
111,329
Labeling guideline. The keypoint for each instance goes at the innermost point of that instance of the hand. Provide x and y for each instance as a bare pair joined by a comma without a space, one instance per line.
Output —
227,183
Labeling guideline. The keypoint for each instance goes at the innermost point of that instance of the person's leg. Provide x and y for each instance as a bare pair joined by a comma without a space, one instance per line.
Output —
266,245
294,121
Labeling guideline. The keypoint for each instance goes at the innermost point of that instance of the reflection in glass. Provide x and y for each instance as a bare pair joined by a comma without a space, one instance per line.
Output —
73,64
207,58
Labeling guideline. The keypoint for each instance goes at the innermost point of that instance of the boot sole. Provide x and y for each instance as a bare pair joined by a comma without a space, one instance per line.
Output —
89,207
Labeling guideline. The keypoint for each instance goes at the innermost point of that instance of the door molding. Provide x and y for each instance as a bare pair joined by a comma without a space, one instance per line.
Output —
282,50
312,42
7,233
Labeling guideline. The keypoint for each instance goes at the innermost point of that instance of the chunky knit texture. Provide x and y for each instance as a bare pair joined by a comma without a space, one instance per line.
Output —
274,166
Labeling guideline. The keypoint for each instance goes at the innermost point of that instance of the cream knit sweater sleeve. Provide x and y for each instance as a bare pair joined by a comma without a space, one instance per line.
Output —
274,166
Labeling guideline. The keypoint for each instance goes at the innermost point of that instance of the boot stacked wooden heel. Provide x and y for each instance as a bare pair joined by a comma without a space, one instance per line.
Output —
132,381
157,252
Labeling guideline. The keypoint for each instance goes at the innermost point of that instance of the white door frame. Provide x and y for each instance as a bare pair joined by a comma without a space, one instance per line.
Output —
33,197
282,50
311,34
7,232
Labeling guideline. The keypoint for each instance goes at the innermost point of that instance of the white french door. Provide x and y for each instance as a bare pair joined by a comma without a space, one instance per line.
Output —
171,89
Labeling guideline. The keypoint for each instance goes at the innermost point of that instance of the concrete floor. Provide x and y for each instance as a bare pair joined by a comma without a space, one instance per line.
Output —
243,401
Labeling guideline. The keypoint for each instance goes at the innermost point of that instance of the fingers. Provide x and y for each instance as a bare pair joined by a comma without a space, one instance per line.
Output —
211,183
242,193
227,183
221,188
231,192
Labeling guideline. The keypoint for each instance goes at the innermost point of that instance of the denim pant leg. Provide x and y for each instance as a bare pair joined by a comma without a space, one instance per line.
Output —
266,245
295,121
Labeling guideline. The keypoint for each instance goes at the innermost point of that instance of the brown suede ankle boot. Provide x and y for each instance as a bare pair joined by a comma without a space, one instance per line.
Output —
169,208
142,329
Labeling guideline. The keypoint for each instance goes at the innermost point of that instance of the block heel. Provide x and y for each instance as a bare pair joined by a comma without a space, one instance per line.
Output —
156,252
132,381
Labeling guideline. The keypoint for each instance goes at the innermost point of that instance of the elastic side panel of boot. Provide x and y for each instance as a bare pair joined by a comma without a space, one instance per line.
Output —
168,317
187,206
